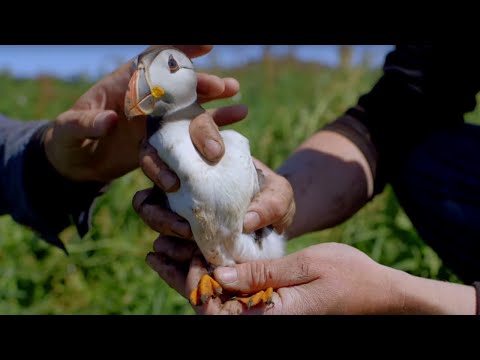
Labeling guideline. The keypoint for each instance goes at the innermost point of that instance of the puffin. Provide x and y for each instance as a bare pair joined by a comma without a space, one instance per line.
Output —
213,198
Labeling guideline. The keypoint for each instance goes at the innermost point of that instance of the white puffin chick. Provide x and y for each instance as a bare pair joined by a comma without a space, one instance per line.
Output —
212,198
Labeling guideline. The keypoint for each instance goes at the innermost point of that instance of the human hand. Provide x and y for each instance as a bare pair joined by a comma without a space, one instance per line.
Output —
322,279
273,205
327,278
93,141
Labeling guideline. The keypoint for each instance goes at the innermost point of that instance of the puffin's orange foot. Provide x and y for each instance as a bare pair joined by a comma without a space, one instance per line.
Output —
207,288
262,297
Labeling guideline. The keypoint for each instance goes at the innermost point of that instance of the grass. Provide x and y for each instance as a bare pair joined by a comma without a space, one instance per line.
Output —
106,272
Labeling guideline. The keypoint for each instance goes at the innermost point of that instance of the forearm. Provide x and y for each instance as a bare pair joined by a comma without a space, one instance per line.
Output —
415,295
331,178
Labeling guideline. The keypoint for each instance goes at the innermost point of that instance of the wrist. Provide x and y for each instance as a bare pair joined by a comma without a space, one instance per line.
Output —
51,156
415,295
358,134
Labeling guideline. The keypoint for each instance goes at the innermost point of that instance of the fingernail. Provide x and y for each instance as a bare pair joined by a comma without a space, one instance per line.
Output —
252,220
212,149
227,275
167,179
181,228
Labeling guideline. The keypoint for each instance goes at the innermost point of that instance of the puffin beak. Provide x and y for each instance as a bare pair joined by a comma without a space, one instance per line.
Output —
141,97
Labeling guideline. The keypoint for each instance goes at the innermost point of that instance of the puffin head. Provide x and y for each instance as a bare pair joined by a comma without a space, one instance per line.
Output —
164,81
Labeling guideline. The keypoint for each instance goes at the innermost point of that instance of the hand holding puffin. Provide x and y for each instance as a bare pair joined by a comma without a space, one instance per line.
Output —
212,198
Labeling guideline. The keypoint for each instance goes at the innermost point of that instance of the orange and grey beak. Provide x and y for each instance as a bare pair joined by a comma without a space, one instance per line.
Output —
141,97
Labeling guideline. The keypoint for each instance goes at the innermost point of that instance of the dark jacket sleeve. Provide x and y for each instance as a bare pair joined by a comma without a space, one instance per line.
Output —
423,89
31,190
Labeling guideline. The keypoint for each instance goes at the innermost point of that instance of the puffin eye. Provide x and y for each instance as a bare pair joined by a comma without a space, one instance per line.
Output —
172,64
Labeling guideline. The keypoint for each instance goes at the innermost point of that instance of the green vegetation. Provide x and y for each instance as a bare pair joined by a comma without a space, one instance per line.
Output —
106,272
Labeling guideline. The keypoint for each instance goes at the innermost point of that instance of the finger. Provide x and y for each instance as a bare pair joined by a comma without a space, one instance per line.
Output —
174,274
285,302
195,273
211,87
232,87
228,115
305,299
194,51
206,137
273,205
295,300
294,269
177,249
156,170
86,124
205,133
160,219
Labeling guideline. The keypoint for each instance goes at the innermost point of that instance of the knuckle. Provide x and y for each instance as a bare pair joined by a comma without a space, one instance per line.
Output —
64,118
307,265
147,150
206,125
151,216
278,208
259,274
152,167
176,249
203,119
145,160
86,120
183,252
158,221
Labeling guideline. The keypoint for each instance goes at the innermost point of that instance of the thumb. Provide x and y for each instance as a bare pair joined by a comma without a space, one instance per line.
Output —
294,269
87,124
206,137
